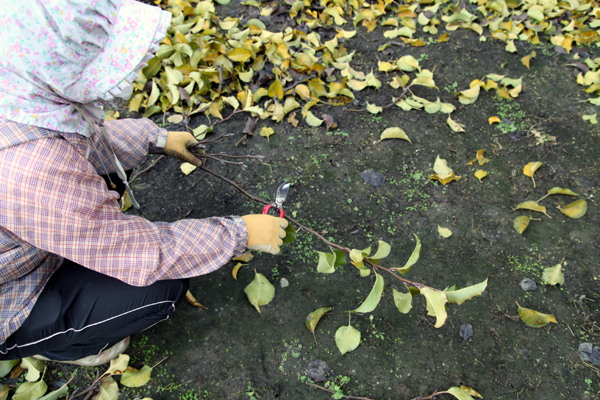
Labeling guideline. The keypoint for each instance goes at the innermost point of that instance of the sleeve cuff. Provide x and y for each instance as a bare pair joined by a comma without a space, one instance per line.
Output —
160,141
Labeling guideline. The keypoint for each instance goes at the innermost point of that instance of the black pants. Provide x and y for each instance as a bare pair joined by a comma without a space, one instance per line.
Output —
81,312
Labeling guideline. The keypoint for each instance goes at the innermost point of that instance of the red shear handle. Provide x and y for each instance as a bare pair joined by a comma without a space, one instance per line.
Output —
269,206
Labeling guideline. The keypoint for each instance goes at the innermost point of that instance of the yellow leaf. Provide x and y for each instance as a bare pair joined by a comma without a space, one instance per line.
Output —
529,169
356,84
575,210
385,66
469,96
111,115
373,108
303,91
521,223
372,80
471,392
503,92
532,206
480,174
236,269
312,120
192,300
187,168
408,63
492,120
244,257
455,126
394,133
510,46
441,168
266,132
239,54
480,158
553,275
126,202
436,305
292,119
535,319
443,38
527,59
276,89
444,232
399,82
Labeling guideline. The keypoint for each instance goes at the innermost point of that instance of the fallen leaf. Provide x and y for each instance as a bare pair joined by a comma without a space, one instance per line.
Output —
32,390
529,169
292,119
535,319
444,232
250,126
480,174
553,275
136,378
329,122
479,158
34,368
192,300
592,118
266,132
458,393
54,395
187,168
347,338
469,96
312,120
373,108
111,115
244,257
443,173
236,269
118,365
532,206
470,391
521,223
394,133
175,119
313,319
6,366
558,190
527,59
492,120
575,210
260,291
455,126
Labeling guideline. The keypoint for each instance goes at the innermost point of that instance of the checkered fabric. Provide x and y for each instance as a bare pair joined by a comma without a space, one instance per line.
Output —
54,205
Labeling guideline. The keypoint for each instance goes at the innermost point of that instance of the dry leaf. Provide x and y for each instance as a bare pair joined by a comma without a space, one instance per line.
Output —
394,133
175,119
455,126
575,210
479,158
292,119
530,169
521,223
192,300
480,174
443,173
532,206
250,126
492,120
236,269
535,319
187,168
244,257
444,232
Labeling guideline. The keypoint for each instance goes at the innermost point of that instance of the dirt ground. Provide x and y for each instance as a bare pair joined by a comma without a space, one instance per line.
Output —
230,351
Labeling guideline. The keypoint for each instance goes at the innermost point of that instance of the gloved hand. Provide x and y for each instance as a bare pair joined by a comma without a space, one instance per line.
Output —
265,232
176,147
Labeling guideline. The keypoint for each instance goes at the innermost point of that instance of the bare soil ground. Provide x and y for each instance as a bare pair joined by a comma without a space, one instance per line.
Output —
232,352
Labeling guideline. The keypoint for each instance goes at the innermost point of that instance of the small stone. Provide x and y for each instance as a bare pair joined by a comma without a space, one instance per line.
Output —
528,285
589,353
373,178
318,371
284,283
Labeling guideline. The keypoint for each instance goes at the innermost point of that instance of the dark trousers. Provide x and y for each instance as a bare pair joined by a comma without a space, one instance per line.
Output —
81,312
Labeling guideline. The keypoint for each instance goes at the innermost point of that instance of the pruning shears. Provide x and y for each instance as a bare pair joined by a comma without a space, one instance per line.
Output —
280,197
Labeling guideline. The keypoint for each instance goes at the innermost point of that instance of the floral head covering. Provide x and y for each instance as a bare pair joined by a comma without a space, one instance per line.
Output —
55,52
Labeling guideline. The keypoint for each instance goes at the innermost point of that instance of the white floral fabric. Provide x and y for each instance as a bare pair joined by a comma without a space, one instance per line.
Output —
54,52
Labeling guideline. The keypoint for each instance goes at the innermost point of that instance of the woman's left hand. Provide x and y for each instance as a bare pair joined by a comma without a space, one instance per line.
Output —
177,147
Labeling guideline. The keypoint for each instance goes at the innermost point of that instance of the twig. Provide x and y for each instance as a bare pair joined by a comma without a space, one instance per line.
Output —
137,174
225,119
304,227
241,140
332,392
225,135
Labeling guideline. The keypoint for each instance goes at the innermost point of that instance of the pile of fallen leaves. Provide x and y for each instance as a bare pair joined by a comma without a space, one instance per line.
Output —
208,63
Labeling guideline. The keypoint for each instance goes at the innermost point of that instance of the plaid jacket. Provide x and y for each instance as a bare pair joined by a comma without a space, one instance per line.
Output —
54,205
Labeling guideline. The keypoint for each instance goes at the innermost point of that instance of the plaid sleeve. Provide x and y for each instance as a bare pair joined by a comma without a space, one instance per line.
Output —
53,198
131,139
